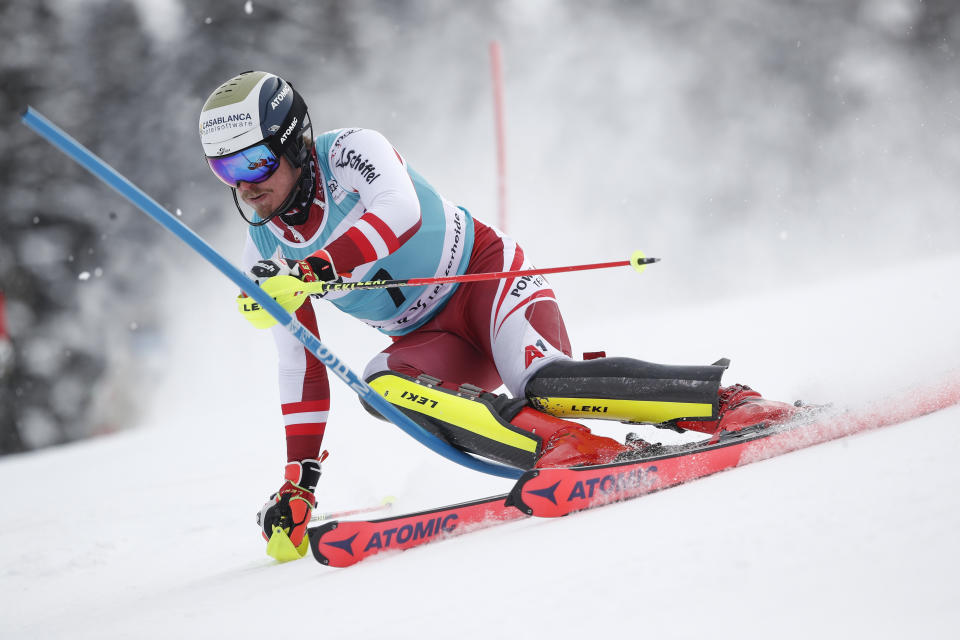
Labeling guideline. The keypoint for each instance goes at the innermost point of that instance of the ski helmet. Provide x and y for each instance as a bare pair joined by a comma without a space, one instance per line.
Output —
247,124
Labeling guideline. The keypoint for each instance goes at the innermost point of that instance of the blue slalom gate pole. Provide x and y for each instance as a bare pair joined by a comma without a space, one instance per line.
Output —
85,158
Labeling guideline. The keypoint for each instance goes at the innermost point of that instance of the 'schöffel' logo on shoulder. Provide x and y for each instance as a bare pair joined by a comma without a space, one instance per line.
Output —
355,160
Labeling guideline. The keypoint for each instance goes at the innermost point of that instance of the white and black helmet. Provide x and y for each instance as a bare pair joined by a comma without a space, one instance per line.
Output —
248,123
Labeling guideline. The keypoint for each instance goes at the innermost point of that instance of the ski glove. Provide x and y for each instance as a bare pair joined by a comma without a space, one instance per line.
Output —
283,519
317,267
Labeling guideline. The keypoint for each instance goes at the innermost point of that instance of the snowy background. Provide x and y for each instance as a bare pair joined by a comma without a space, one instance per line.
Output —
796,165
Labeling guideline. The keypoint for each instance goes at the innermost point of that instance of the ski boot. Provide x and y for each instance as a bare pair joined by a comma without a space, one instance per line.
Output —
568,444
741,408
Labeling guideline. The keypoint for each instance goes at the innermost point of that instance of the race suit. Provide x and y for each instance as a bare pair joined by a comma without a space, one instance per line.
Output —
380,219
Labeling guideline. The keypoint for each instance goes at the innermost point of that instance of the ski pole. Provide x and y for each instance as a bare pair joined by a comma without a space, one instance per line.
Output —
384,505
638,261
110,176
291,292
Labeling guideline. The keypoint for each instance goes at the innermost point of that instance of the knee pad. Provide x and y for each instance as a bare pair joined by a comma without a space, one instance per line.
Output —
627,390
469,418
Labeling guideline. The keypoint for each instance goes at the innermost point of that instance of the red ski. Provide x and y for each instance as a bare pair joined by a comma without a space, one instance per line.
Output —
559,491
341,544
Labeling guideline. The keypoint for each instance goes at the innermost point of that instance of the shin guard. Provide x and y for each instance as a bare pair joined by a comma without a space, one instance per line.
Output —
469,418
627,390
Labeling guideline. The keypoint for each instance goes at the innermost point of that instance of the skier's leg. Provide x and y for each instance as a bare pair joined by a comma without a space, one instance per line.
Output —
454,407
628,390
437,378
498,427
468,418
525,333
439,354
625,389
488,332
530,347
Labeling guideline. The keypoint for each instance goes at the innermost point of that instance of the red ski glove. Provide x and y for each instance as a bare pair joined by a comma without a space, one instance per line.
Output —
284,517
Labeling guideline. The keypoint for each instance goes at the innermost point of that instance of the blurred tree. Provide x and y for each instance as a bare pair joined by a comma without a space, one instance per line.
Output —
29,263
75,259
938,25
62,298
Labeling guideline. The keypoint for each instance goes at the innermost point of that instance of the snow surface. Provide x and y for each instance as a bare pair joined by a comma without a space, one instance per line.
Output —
150,533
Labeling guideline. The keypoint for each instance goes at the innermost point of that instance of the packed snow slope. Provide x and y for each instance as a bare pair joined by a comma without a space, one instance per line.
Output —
151,533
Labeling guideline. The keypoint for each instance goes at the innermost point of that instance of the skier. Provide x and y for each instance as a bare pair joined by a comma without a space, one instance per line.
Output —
347,206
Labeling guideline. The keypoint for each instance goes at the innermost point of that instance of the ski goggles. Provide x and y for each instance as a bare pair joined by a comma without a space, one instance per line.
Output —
253,164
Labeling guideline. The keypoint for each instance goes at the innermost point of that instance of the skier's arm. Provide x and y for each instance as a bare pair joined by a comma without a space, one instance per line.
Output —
304,387
364,162
304,404
304,390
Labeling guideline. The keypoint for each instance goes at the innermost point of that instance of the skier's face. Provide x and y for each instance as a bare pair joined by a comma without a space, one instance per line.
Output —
266,196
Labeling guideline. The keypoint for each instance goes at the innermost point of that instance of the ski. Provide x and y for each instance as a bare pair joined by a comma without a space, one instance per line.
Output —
556,492
343,543
560,491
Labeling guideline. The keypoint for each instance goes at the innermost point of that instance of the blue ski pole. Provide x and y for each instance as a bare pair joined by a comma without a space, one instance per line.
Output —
84,157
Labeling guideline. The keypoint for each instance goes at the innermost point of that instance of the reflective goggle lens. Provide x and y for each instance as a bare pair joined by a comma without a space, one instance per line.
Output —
255,164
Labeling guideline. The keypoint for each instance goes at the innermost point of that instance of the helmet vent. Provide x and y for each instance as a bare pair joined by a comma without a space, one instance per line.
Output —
236,89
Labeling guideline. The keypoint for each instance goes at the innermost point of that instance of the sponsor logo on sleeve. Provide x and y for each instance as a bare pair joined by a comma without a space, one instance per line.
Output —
339,141
354,160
